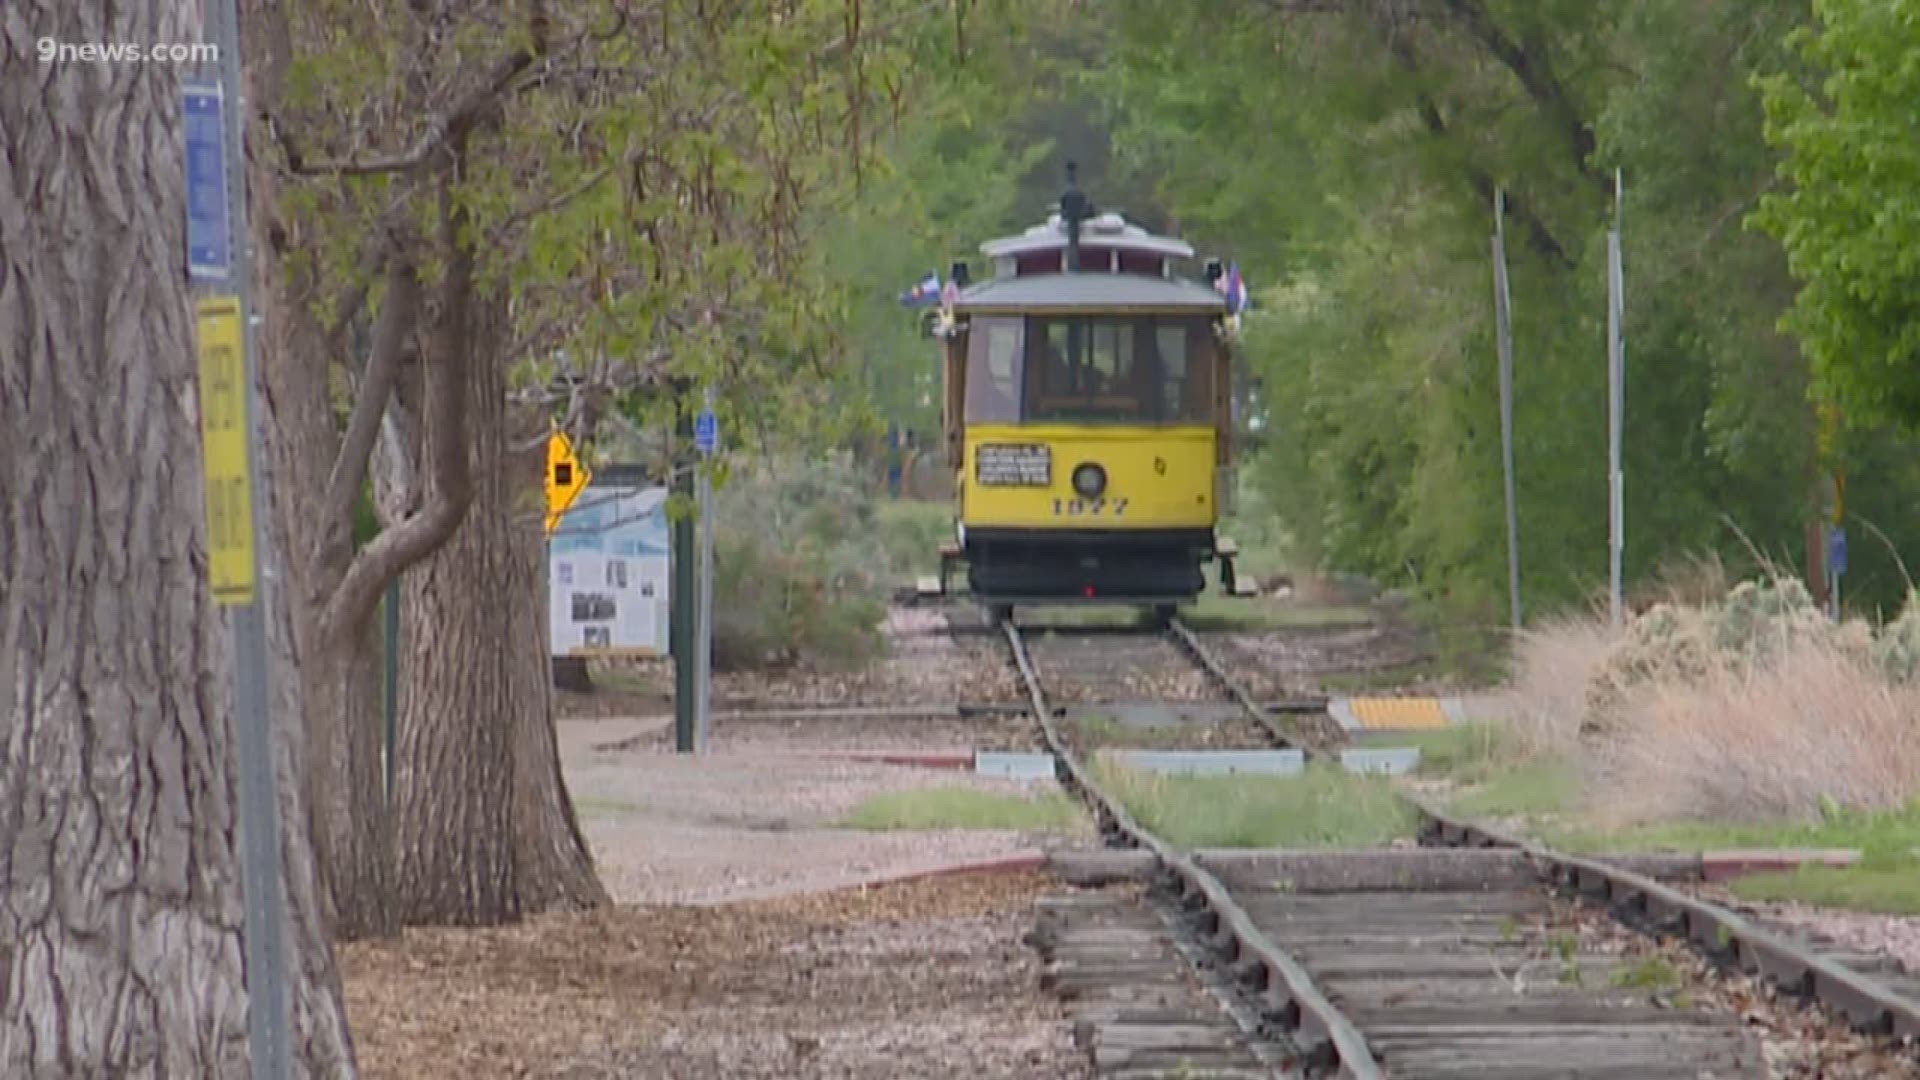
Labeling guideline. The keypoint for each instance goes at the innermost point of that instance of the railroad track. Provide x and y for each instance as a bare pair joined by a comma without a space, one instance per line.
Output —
1429,962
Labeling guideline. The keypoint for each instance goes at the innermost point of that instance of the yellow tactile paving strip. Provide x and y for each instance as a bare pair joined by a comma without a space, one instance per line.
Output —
1398,714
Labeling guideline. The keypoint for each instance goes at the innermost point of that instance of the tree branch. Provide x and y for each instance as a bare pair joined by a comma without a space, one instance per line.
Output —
1535,73
1538,235
444,129
450,484
390,335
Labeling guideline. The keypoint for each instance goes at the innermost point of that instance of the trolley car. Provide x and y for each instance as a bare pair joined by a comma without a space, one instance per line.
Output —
1088,418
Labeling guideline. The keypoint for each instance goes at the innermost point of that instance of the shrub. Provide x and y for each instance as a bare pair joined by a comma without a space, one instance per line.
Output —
1814,728
1752,707
1553,667
795,577
1898,649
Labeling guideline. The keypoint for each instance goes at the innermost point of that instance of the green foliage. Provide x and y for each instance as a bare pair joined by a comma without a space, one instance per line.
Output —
794,574
642,197
1347,161
1850,222
911,533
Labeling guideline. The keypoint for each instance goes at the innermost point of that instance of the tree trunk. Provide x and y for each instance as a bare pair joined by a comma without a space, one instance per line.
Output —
121,915
339,680
485,829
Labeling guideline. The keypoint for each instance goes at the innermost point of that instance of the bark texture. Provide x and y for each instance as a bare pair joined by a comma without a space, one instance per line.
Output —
339,675
121,913
485,829
338,680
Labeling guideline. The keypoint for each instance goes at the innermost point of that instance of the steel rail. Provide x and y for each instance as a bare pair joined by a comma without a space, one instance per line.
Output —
1327,1039
1313,747
1871,1006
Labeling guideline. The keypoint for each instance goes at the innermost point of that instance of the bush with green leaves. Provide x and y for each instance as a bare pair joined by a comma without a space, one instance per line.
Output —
795,575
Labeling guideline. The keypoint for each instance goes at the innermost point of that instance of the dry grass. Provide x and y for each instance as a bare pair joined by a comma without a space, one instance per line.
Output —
1718,713
1553,666
1816,729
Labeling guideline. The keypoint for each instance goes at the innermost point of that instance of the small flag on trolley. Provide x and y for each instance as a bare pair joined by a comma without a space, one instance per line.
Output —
925,293
1234,288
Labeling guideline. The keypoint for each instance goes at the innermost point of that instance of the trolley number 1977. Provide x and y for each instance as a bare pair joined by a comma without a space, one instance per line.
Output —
1089,507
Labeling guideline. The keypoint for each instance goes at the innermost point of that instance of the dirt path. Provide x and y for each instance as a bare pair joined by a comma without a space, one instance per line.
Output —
743,822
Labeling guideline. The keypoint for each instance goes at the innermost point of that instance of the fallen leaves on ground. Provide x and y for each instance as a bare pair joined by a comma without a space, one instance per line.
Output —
923,979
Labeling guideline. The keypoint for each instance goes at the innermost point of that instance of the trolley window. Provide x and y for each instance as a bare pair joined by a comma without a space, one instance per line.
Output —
1148,370
995,358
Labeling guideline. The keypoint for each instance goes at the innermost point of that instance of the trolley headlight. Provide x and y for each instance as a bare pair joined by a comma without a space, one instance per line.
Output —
1089,480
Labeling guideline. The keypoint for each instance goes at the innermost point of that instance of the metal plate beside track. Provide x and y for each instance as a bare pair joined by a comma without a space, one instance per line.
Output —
1213,762
1382,760
1013,465
1017,766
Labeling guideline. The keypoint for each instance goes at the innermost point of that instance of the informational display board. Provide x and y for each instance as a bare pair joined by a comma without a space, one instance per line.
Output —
608,573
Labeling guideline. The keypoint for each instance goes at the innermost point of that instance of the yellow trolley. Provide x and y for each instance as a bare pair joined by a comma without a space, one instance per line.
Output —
1088,417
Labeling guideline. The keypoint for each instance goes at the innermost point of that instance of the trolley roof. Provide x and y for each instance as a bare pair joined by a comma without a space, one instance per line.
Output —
1086,291
1105,230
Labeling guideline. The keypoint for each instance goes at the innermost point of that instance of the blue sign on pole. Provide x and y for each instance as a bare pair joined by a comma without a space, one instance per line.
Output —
209,245
706,431
1837,552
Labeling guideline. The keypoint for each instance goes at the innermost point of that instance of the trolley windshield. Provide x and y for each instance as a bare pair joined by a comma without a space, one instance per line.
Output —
1154,369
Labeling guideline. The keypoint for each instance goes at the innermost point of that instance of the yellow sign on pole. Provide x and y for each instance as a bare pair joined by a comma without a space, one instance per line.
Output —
567,477
223,435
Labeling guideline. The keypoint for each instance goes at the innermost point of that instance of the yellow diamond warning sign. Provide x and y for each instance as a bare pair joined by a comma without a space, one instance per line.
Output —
567,477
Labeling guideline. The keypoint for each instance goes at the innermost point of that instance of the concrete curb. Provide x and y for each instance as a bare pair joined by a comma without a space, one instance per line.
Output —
1724,865
918,759
1019,862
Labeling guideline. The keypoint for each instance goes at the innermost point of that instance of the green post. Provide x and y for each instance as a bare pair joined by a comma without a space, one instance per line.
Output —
392,680
681,629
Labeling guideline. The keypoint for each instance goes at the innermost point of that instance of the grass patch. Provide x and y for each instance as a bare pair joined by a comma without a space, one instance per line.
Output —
1882,837
964,808
1324,807
1891,887
1648,973
1545,786
1886,880
1464,753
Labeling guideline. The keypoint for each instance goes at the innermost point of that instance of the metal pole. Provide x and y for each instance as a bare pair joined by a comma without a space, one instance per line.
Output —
263,946
1616,409
703,657
1503,318
681,622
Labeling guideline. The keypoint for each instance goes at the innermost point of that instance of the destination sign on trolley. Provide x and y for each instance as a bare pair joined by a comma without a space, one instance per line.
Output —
223,434
1009,465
